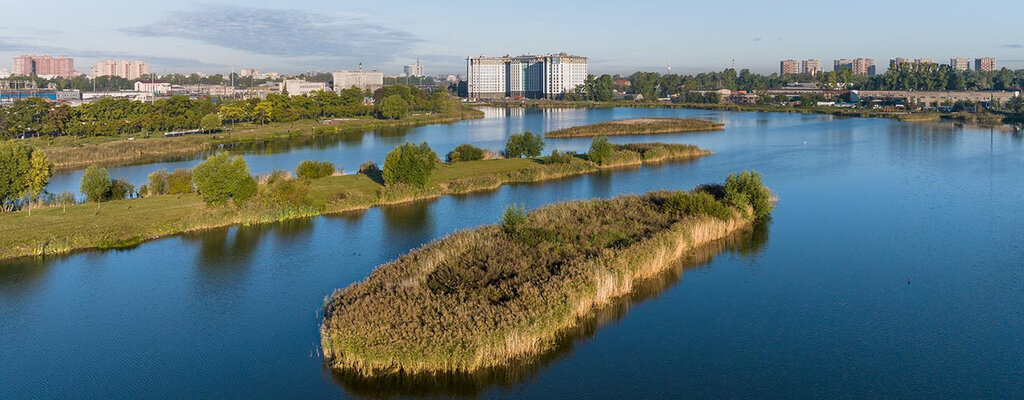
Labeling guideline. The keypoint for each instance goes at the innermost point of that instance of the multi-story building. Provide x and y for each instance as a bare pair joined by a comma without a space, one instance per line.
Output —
960,63
366,80
987,64
842,63
4,72
528,76
414,70
789,67
924,60
44,66
864,66
299,87
249,72
122,68
898,61
810,67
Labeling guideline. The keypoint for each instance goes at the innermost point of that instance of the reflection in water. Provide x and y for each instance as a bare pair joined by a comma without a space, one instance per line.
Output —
405,220
746,243
924,137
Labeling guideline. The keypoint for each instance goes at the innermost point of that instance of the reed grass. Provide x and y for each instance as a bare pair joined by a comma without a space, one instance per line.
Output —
637,126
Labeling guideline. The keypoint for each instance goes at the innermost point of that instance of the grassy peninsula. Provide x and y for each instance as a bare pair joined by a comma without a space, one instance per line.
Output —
120,223
637,126
487,297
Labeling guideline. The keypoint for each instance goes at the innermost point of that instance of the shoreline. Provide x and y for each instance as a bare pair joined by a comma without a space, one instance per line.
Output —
115,224
637,126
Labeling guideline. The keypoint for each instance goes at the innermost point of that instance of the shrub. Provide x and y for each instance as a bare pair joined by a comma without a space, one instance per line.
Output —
600,150
222,177
314,169
745,189
179,181
156,182
466,152
282,189
393,107
95,184
559,158
410,164
698,203
368,167
119,189
513,219
524,145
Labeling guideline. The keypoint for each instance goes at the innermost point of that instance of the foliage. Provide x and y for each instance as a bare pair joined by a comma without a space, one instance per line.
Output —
513,218
637,126
210,122
600,150
410,164
95,184
557,157
314,169
393,107
746,189
156,183
281,189
179,181
466,152
24,171
368,167
524,145
222,177
697,202
119,189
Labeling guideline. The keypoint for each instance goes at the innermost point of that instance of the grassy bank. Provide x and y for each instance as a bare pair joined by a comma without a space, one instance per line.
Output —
128,222
70,153
637,126
491,296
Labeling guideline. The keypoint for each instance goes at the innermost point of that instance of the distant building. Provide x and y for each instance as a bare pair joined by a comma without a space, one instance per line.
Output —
529,76
864,66
249,72
299,87
153,87
45,66
921,61
810,67
842,63
121,68
366,80
789,67
414,70
934,98
4,72
987,64
69,95
960,63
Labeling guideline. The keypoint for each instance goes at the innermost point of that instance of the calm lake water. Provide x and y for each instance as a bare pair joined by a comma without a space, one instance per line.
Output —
893,268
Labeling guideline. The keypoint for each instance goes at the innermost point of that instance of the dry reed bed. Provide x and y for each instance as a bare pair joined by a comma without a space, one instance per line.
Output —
486,298
637,126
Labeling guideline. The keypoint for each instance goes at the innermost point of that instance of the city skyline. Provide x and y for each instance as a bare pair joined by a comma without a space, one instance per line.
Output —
317,35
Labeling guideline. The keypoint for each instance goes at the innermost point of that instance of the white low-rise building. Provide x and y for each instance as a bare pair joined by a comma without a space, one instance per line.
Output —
299,87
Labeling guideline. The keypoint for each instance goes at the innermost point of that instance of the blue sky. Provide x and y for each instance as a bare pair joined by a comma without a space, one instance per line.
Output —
619,37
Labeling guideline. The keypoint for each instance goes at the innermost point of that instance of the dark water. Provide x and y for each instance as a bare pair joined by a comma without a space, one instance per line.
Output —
893,268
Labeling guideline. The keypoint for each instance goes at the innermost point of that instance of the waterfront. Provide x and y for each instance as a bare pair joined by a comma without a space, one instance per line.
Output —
892,268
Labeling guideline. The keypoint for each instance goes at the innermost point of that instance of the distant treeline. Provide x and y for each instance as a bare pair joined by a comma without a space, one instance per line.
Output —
108,117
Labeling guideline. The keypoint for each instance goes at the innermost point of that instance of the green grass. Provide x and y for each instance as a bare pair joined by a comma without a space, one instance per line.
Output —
636,126
124,222
488,297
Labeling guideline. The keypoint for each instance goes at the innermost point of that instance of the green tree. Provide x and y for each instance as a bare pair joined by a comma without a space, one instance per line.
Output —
314,169
410,164
524,145
95,184
221,178
210,122
746,190
39,173
23,171
466,152
600,150
393,107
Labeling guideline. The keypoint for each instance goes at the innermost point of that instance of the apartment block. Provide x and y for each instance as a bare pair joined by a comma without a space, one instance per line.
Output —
366,80
789,67
811,67
44,66
528,76
960,63
414,70
987,64
121,68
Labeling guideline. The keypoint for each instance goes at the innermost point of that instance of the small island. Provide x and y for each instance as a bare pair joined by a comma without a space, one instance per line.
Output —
637,126
489,297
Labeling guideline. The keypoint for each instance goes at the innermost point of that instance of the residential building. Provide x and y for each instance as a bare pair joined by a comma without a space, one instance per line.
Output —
249,72
842,63
919,61
153,87
864,66
414,70
4,72
44,66
299,87
527,76
122,68
789,67
810,67
987,64
366,80
960,63
898,61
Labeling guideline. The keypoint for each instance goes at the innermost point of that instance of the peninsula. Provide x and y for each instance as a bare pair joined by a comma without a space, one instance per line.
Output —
637,126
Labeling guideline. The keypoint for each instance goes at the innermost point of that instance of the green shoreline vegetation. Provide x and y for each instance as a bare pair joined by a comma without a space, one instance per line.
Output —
168,204
637,126
489,297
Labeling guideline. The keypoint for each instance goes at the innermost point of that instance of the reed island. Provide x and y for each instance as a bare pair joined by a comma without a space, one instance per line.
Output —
488,297
637,126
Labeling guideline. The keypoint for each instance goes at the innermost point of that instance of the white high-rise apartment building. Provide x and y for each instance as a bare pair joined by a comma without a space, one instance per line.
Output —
122,68
414,70
548,76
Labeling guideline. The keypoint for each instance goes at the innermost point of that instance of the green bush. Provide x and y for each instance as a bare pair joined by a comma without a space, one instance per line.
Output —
557,157
698,203
156,183
513,219
466,152
222,177
314,169
281,189
410,164
600,150
524,145
119,189
179,181
745,189
368,167
393,107
95,184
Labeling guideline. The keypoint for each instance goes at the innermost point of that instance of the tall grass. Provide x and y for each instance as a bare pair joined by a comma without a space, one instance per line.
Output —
486,297
637,126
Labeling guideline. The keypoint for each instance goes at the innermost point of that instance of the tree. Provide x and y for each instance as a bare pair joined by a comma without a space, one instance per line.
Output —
600,150
524,145
410,164
746,189
95,184
221,178
466,152
314,169
23,171
393,107
39,173
210,122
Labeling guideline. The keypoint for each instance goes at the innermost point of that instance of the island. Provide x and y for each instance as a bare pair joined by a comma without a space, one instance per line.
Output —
485,298
637,126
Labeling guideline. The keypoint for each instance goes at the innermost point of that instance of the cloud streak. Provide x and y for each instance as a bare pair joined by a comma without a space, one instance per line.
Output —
18,44
284,33
1013,46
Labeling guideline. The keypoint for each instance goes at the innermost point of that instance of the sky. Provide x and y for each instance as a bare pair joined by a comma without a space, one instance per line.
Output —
618,37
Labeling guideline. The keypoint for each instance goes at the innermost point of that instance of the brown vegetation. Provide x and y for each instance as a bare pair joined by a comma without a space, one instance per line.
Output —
637,126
